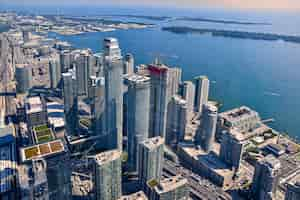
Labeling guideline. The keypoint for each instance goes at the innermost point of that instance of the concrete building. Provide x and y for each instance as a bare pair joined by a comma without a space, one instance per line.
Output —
244,119
65,61
8,163
175,188
70,102
188,93
23,78
202,92
108,175
205,164
232,149
174,80
33,182
113,70
55,73
293,191
98,64
98,105
136,196
205,135
138,112
266,178
150,160
159,98
53,168
128,64
36,111
83,64
26,35
176,120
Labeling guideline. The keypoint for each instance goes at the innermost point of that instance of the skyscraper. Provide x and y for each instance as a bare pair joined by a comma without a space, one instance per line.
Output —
188,93
159,97
176,120
202,90
174,80
82,72
98,62
98,105
231,149
138,112
113,70
70,102
55,73
8,164
23,77
129,64
293,191
65,60
150,160
108,175
266,178
206,132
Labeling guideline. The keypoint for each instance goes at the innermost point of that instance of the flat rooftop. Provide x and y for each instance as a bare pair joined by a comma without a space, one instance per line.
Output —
179,100
271,161
107,156
170,184
7,135
209,160
42,134
238,113
136,79
153,143
34,104
136,196
42,150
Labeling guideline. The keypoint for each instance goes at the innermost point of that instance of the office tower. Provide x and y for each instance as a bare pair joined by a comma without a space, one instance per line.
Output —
176,120
98,62
266,178
55,73
128,64
56,165
36,111
174,80
159,97
293,191
231,149
82,72
113,70
188,93
26,35
8,164
202,90
70,102
206,132
23,77
108,175
98,105
138,112
65,60
175,188
150,160
33,182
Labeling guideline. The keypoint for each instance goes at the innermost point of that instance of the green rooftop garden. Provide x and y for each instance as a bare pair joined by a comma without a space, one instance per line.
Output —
43,134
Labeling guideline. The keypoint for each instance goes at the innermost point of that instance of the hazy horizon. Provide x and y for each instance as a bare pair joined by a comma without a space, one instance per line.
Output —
276,5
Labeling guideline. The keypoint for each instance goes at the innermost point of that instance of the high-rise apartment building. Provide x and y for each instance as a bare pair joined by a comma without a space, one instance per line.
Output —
23,78
138,112
107,169
188,93
292,191
55,73
266,178
150,160
113,70
70,102
128,64
176,120
82,72
205,135
202,92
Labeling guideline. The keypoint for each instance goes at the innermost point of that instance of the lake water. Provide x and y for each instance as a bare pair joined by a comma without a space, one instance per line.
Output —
260,74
